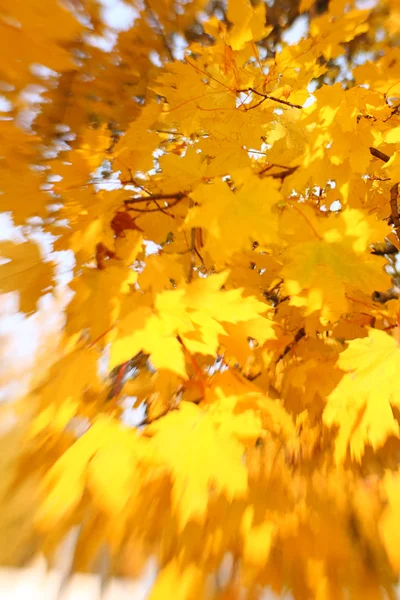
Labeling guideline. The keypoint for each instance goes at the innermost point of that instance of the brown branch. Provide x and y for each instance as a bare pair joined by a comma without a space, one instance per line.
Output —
161,31
192,254
138,199
154,198
382,297
300,334
395,111
282,174
378,154
256,105
267,97
150,210
394,192
199,255
161,209
394,209
285,172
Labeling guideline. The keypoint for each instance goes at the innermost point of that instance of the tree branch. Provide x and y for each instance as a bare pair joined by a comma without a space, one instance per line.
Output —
154,198
161,31
267,97
286,171
378,154
394,192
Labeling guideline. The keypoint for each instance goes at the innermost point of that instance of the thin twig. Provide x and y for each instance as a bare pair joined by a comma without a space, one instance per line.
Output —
150,210
161,209
161,31
99,337
153,197
192,253
299,335
280,174
268,97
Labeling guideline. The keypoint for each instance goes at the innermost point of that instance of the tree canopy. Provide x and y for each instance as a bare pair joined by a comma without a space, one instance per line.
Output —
225,174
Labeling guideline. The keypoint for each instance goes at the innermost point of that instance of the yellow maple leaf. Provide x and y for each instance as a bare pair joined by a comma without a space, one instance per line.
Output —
24,269
114,476
162,271
383,74
392,136
234,134
310,376
330,261
195,313
238,218
68,380
93,146
142,329
189,442
25,28
330,31
248,23
134,150
361,402
64,484
182,173
98,298
241,409
190,98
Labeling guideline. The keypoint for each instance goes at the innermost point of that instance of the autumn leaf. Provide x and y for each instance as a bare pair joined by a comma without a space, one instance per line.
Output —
323,270
95,306
62,396
24,270
254,201
361,404
190,318
134,150
65,483
247,23
197,445
210,378
123,221
114,473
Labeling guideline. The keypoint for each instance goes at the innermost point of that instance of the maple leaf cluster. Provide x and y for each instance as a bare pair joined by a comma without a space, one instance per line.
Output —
229,194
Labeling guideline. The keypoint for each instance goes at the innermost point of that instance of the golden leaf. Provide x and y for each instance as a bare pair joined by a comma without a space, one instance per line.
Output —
361,402
24,271
188,442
